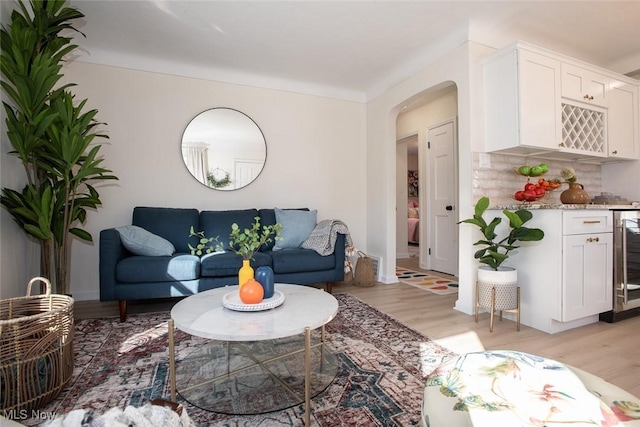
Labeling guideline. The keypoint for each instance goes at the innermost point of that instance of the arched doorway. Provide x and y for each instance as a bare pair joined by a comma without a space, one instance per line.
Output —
424,117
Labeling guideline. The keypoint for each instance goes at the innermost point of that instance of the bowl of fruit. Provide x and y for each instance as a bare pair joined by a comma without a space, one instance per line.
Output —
536,191
532,171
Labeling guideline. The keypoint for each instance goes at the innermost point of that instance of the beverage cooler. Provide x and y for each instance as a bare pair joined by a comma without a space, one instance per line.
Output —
626,266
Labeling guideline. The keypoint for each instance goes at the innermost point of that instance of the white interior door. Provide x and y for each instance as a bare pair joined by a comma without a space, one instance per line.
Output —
442,231
246,171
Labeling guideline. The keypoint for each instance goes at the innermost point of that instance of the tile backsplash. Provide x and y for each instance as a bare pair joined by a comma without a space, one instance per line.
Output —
499,182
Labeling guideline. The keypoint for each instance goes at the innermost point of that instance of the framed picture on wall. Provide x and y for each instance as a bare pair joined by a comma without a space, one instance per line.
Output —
413,183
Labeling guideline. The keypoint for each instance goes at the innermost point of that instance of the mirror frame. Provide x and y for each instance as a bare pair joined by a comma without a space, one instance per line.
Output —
209,145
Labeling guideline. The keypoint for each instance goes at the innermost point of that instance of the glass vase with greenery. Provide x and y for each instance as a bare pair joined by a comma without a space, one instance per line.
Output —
244,242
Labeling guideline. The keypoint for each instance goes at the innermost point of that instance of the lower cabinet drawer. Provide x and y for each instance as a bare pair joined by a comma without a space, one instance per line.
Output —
585,221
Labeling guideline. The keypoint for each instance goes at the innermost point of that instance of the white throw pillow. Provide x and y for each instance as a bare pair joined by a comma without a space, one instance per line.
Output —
142,242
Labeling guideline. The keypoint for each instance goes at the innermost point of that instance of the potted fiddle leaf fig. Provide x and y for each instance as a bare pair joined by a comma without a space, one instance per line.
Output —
497,284
494,250
52,134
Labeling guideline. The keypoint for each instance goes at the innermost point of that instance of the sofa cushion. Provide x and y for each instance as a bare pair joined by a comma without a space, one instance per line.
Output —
223,264
137,269
300,260
172,224
139,241
297,225
218,223
268,217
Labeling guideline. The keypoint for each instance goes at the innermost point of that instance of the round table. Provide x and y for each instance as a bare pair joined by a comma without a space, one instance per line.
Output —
257,361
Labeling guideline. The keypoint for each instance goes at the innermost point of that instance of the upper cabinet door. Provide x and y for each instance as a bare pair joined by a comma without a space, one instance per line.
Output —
522,103
540,113
623,121
585,85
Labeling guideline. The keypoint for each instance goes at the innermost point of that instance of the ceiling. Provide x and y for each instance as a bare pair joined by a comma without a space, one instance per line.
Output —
345,49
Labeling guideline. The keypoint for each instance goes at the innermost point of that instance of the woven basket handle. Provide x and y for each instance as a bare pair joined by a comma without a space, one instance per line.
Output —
39,279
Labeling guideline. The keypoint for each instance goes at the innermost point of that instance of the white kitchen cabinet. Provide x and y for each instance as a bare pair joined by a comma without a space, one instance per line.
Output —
623,131
584,129
587,269
584,85
540,103
522,102
566,278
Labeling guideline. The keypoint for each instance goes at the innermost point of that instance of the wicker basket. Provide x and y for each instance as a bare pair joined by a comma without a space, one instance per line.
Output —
363,276
36,348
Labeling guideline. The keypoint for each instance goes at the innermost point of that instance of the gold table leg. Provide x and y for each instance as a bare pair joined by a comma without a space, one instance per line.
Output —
307,376
172,361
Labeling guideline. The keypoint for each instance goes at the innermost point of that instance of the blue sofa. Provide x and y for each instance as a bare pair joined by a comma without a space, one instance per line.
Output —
126,276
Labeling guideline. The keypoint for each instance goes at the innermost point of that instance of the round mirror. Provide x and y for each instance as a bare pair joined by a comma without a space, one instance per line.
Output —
224,149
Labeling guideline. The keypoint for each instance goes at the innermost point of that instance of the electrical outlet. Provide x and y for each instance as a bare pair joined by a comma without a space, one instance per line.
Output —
484,160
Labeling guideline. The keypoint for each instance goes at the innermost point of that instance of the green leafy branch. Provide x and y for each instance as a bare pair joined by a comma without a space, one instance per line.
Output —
205,244
249,240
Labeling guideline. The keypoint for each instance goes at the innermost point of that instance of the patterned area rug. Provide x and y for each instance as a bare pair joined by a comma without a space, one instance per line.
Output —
382,365
430,283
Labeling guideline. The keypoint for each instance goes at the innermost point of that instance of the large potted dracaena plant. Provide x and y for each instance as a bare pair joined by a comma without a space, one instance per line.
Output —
51,133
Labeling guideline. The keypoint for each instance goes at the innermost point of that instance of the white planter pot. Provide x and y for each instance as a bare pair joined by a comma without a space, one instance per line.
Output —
504,281
502,276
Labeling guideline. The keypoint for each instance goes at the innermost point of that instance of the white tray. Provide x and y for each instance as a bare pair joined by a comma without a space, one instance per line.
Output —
232,301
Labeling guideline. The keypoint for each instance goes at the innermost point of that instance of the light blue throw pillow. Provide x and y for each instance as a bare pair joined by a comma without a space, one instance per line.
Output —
142,242
297,225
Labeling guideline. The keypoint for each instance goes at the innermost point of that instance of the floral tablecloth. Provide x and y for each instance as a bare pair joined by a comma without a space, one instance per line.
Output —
508,388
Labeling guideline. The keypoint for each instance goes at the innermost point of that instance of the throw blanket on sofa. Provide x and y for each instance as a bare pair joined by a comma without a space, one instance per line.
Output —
323,237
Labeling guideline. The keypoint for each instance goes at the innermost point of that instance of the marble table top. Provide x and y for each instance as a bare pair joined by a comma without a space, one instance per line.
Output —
204,315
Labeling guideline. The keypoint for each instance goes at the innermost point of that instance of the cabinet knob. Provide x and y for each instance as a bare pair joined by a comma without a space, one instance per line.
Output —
561,144
588,97
614,152
593,239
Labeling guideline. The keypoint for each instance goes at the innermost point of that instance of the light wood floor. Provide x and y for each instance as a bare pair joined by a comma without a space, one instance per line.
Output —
611,351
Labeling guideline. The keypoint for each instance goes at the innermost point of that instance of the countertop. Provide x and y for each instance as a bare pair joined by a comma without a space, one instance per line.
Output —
532,206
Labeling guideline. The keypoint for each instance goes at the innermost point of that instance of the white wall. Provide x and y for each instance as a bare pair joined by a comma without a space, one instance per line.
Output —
314,155
462,67
622,179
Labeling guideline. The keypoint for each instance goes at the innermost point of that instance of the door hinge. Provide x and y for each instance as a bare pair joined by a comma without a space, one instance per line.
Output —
428,145
429,251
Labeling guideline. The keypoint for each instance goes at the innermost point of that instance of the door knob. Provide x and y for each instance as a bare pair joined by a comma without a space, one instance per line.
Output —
449,207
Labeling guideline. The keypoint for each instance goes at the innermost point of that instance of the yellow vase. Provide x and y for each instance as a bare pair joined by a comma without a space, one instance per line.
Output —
245,273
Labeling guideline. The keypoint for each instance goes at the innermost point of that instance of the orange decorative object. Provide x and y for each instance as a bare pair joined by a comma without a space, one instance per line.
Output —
251,292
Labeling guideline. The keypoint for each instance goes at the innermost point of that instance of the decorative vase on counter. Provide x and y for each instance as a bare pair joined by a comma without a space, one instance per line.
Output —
264,275
574,195
245,273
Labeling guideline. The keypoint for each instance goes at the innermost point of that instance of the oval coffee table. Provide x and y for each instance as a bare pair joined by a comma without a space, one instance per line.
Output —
257,361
